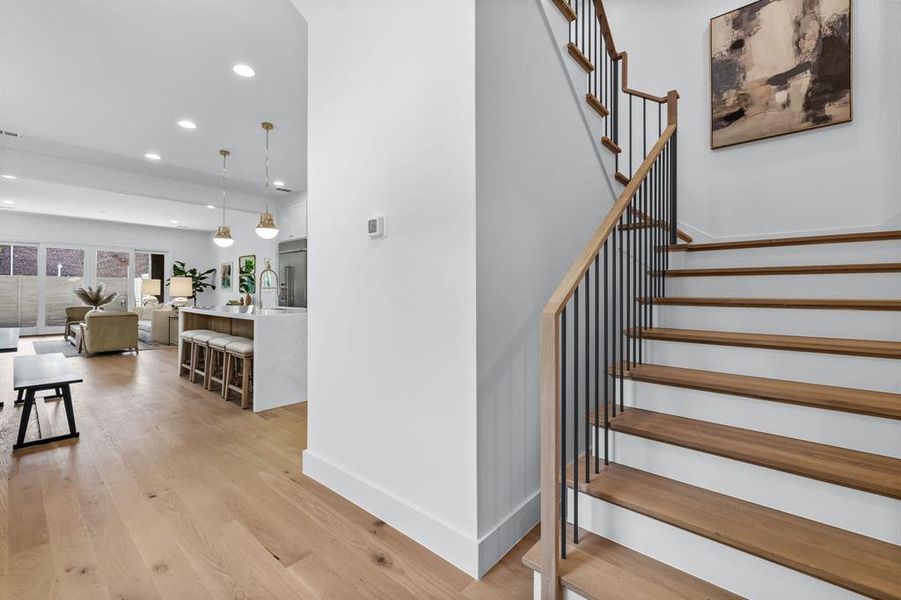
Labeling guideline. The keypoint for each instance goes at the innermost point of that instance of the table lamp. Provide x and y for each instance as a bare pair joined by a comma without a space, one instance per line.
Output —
149,287
181,288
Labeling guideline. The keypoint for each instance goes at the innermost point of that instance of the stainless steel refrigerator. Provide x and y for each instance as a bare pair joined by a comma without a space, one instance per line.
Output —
292,264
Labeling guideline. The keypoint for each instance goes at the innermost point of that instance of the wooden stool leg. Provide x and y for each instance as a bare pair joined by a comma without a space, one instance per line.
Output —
208,355
182,356
227,374
194,357
245,382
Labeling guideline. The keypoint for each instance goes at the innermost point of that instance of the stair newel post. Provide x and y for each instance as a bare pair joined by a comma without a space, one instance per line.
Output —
551,499
672,117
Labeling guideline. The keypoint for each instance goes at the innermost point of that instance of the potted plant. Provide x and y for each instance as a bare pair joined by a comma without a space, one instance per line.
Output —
95,297
199,281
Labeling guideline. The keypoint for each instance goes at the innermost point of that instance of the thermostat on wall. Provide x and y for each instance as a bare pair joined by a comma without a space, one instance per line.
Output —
377,227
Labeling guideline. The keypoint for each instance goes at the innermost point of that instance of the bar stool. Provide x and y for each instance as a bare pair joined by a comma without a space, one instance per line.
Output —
216,372
187,344
200,343
239,351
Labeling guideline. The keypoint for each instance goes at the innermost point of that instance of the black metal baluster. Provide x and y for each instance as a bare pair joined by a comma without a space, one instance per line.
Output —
644,128
631,172
597,355
620,332
614,337
563,492
607,379
575,418
587,376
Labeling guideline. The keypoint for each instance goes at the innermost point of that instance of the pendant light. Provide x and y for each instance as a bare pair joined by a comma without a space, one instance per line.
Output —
266,228
223,237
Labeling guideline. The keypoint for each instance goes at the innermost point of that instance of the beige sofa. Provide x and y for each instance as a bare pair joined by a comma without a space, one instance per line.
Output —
153,323
108,331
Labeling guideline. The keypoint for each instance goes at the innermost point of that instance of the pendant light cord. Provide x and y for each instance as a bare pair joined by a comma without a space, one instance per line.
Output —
267,170
224,156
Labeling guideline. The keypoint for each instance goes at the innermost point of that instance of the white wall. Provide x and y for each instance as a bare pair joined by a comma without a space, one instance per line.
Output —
839,177
193,247
392,342
541,193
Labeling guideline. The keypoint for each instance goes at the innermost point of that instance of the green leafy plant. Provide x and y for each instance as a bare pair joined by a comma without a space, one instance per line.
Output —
95,297
199,281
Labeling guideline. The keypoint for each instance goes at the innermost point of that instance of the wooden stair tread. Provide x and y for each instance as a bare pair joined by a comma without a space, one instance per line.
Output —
579,57
869,236
849,560
568,13
645,217
610,145
871,348
865,402
788,270
872,473
600,569
622,179
596,104
816,303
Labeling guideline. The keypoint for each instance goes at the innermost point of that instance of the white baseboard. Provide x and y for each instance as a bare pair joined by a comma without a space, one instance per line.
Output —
495,544
473,556
447,542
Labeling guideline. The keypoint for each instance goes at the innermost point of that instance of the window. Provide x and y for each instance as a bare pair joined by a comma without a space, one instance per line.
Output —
112,271
142,271
18,285
64,271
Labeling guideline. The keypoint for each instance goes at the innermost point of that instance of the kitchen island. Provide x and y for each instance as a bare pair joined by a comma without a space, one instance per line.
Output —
279,337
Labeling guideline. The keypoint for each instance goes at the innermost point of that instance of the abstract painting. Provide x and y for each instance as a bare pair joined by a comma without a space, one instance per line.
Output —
225,276
777,67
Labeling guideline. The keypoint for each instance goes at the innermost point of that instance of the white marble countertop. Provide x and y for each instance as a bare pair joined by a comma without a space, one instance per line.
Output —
249,313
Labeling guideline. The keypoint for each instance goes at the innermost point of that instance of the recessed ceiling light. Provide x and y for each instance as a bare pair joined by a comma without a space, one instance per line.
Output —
186,124
8,176
174,221
244,70
9,202
210,206
152,156
278,183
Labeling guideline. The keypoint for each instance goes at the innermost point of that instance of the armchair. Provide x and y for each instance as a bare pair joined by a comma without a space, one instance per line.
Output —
107,331
74,314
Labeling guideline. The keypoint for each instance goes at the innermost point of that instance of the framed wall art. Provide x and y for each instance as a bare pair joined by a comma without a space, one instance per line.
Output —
778,67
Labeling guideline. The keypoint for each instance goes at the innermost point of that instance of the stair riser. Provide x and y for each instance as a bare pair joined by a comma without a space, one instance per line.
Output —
721,565
860,372
861,512
843,285
854,324
845,430
824,254
536,590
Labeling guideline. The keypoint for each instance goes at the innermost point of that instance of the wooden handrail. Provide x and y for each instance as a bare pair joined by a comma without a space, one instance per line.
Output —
553,493
586,258
623,56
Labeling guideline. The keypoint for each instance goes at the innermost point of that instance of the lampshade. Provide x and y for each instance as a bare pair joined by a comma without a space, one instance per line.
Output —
266,228
223,237
181,287
150,287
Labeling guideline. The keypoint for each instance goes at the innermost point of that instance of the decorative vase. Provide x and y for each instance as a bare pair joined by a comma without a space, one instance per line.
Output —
248,299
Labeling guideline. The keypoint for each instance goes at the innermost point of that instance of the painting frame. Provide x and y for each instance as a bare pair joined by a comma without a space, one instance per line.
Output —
225,276
247,274
811,127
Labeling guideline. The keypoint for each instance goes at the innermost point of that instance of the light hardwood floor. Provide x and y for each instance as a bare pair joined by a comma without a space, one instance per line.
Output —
173,493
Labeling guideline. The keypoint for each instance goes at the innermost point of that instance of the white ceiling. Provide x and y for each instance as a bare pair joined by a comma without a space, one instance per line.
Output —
94,85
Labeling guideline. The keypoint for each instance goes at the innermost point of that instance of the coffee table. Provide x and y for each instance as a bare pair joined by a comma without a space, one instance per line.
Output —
37,373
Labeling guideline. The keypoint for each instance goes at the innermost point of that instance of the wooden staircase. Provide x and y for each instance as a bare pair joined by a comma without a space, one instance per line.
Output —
753,440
